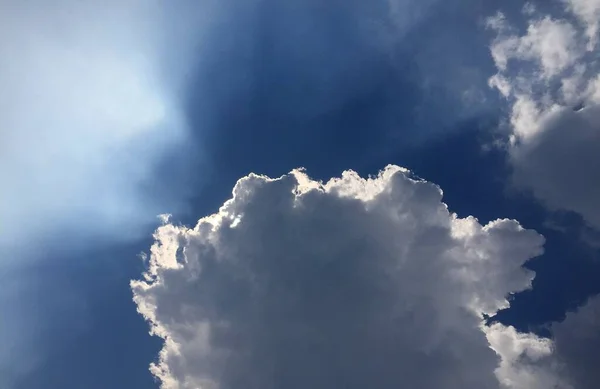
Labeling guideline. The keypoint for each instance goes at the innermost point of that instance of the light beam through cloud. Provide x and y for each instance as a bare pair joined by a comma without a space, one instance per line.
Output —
91,97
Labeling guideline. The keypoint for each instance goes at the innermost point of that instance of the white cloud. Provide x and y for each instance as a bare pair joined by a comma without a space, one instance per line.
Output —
549,42
526,360
550,78
354,283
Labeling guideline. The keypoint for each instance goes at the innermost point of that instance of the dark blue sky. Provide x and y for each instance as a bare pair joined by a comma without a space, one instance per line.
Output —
301,84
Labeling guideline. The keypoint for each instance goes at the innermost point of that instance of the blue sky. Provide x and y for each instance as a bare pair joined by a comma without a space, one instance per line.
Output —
113,113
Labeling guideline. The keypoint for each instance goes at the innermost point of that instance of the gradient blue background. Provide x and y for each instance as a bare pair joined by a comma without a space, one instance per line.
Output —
298,83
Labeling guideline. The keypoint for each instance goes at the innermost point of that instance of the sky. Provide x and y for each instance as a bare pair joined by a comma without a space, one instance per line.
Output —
266,194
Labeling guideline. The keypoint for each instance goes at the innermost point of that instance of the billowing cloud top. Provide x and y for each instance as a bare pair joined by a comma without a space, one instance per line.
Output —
354,283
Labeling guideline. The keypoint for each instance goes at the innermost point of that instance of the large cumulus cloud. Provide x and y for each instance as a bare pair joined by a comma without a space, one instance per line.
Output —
354,282
550,77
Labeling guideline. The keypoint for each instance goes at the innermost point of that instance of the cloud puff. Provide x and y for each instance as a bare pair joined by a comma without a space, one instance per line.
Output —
549,75
355,282
526,360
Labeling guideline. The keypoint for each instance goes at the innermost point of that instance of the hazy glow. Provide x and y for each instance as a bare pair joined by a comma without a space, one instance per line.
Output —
89,108
86,111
